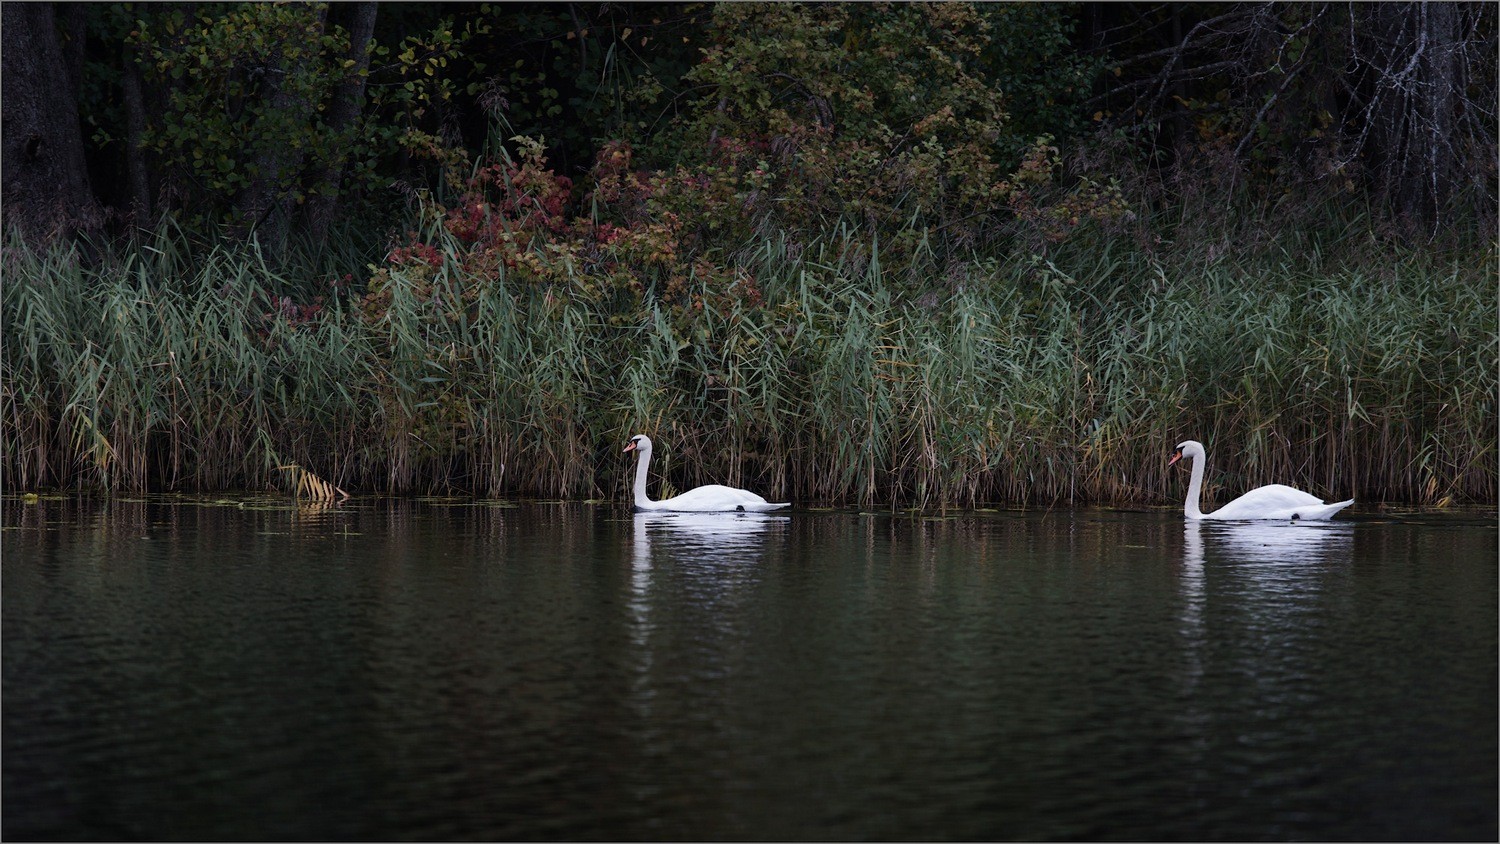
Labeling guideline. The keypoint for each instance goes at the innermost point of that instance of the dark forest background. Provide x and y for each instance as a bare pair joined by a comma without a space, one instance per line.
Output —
288,117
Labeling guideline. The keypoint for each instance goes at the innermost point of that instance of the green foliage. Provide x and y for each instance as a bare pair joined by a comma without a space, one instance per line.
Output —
880,115
872,110
891,117
246,82
582,74
411,80
249,88
1030,58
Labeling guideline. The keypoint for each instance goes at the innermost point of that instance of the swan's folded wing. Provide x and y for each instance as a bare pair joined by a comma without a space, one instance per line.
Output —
714,498
1276,501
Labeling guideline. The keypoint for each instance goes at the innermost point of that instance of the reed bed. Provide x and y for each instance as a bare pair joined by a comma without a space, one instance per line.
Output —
1010,380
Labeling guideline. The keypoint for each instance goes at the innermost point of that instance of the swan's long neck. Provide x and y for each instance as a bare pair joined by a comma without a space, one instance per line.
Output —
642,458
1195,487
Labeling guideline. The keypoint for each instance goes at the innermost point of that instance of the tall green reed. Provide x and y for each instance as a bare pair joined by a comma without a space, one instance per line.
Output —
156,370
1026,379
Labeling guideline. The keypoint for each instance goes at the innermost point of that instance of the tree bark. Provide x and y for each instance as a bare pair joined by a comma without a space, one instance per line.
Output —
73,28
348,102
44,189
135,132
1435,171
266,205
1411,57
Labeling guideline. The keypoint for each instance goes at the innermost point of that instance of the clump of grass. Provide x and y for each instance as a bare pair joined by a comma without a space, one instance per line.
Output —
1061,379
151,369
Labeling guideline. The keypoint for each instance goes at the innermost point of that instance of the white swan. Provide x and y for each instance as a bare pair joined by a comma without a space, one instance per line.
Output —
1275,501
712,498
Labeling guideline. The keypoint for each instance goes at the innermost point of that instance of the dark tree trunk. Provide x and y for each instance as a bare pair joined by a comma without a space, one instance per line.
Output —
72,20
135,131
1430,176
45,186
162,193
348,102
266,205
1411,65
1178,120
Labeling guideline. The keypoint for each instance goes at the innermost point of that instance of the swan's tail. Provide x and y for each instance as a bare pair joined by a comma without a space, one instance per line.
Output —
763,508
1324,513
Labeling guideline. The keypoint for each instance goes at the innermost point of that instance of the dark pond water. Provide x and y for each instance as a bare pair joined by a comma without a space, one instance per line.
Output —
462,670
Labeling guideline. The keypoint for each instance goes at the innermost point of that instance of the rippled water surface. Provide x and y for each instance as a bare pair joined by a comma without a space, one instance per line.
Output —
467,670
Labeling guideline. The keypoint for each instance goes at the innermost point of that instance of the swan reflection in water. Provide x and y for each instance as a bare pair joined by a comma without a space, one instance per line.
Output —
1277,567
1271,557
716,538
705,555
1274,569
1269,545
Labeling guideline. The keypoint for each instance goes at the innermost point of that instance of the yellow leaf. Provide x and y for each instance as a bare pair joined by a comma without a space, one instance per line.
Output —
625,36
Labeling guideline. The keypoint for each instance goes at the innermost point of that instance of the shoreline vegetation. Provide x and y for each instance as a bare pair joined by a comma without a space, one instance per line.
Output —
879,255
1064,379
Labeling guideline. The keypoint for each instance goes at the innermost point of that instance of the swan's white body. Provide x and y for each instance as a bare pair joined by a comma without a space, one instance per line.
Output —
1275,501
713,498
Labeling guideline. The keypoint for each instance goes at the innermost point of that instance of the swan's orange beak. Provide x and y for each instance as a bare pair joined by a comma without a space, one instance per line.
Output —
629,447
1176,456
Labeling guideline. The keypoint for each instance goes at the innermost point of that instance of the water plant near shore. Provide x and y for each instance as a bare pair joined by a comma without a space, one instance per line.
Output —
1027,379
